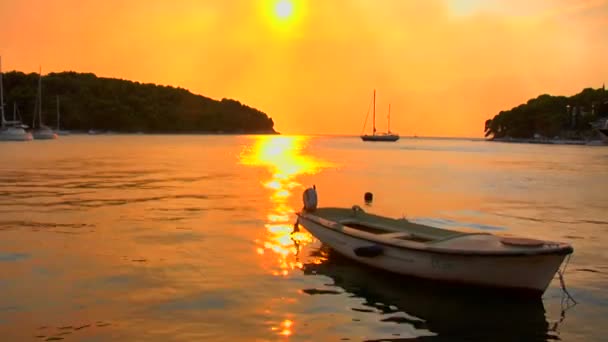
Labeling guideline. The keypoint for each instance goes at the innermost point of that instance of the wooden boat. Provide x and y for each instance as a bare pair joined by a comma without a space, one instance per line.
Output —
408,248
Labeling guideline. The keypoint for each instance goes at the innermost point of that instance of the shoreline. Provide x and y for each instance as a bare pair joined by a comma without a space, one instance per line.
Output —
110,132
550,141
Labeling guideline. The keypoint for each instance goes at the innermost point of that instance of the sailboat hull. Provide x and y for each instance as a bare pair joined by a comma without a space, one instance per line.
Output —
387,137
14,134
44,134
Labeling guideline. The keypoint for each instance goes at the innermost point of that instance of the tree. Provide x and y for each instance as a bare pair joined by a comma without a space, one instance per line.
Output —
91,102
550,116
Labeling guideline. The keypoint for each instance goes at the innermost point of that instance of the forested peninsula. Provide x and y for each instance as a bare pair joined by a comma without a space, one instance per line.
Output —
552,117
109,104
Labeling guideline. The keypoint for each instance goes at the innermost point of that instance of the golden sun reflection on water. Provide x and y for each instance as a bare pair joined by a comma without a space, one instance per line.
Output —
284,329
284,158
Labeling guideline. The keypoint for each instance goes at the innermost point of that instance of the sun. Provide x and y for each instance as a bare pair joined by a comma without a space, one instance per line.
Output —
283,9
284,17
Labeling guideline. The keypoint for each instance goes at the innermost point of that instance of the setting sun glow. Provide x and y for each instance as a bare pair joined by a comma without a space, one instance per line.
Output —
284,9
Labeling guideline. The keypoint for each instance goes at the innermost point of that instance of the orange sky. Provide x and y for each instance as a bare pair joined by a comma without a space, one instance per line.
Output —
444,65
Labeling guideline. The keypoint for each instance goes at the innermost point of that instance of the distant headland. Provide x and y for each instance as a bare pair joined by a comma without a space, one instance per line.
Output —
88,102
547,118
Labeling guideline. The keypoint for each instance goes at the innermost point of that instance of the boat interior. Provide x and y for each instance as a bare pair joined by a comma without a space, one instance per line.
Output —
400,229
414,232
386,228
370,228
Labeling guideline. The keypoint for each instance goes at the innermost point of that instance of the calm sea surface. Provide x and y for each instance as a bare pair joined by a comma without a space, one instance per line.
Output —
182,238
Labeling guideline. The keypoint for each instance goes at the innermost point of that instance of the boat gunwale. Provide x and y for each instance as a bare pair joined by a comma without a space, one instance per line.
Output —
561,249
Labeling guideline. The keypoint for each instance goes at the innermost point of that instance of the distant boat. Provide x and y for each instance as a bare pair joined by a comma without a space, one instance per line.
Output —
388,136
14,130
43,132
10,130
59,131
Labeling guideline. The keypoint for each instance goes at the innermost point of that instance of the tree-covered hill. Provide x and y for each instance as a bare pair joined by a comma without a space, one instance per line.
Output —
91,102
551,116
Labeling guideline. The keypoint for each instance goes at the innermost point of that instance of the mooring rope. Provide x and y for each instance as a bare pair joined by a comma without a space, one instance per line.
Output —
366,116
562,282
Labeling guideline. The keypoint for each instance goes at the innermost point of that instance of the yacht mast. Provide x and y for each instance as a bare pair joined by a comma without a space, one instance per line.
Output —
1,95
40,98
374,116
57,113
389,118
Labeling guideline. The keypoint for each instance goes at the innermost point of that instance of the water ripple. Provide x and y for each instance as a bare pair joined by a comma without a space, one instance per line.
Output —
4,225
96,203
61,332
13,257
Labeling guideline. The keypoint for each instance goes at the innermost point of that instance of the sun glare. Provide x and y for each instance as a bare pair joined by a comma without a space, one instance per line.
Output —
284,16
283,9
286,161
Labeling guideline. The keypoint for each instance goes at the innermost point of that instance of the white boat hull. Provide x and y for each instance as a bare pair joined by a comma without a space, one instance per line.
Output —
14,134
44,135
531,273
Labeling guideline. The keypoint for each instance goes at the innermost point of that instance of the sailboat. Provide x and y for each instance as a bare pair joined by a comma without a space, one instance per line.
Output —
388,136
10,130
59,131
43,131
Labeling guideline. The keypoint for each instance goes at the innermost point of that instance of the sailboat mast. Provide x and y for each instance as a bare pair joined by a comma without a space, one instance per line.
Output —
40,98
57,112
34,115
374,115
1,95
389,118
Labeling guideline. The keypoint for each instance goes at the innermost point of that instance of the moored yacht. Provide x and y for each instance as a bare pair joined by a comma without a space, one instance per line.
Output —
385,136
10,130
43,131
